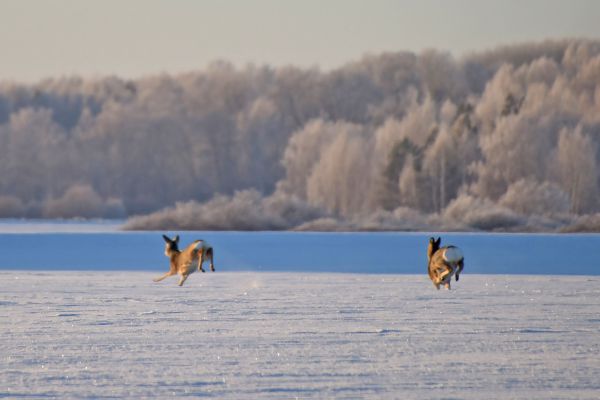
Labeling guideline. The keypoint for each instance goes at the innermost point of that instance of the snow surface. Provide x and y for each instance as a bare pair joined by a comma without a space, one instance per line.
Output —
293,335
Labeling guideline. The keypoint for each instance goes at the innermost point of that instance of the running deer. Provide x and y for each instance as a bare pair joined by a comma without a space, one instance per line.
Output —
182,262
443,263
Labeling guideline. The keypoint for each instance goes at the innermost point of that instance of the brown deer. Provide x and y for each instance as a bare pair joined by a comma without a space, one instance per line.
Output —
443,263
182,262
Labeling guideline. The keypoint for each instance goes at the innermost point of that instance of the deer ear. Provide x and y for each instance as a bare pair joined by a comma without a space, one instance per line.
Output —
176,239
166,239
438,241
431,240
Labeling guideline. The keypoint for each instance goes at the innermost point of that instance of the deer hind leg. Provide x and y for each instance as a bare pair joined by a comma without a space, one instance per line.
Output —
168,274
200,261
461,265
183,278
210,255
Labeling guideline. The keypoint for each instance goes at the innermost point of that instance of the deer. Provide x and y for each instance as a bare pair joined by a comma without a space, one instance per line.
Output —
181,262
443,262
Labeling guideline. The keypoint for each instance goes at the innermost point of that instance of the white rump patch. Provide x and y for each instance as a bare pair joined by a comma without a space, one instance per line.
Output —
453,255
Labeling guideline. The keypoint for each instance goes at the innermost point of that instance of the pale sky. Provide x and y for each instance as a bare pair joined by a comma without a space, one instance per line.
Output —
132,38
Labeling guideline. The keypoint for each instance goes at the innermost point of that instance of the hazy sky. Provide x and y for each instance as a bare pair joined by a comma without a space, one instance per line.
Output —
139,37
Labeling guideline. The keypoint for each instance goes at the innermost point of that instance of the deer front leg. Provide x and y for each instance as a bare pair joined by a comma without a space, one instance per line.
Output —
446,270
170,273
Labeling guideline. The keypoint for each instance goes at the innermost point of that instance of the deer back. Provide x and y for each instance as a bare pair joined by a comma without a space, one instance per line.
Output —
184,259
448,255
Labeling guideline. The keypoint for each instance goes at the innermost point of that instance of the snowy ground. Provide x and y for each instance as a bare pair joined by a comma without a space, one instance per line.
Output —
290,335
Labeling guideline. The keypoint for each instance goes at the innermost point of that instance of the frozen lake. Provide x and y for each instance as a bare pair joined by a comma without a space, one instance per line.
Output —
100,246
94,334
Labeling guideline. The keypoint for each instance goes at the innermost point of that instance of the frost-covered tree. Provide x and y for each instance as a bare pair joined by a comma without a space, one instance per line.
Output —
578,169
389,135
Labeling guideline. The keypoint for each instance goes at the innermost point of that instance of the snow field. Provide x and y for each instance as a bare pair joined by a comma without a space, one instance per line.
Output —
298,335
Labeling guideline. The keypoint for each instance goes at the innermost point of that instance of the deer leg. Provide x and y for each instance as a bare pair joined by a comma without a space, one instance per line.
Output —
210,256
168,274
446,271
200,261
183,278
461,265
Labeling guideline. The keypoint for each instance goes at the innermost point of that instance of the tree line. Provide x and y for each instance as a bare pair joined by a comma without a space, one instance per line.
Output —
506,139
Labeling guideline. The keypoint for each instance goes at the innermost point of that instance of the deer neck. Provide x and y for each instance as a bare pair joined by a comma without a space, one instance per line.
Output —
174,256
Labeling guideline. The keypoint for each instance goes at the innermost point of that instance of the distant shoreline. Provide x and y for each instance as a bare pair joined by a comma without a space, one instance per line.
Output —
79,225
